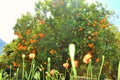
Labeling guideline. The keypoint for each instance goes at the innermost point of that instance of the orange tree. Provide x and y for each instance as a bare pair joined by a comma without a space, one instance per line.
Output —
56,24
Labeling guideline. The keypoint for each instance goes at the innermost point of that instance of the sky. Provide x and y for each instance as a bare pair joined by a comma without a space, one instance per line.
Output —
11,10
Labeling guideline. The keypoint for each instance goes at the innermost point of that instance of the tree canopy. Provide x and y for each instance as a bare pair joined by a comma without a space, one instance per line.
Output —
56,24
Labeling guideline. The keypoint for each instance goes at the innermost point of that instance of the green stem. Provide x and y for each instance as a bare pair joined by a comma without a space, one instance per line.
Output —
73,68
103,57
23,70
48,66
17,74
119,71
32,70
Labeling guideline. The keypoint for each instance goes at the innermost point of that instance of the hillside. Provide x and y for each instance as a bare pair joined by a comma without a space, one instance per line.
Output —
2,44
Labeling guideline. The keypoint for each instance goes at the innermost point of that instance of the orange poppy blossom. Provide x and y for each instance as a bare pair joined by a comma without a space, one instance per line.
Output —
89,37
91,45
76,63
68,59
65,65
14,64
87,58
52,51
44,62
18,65
41,35
97,60
52,72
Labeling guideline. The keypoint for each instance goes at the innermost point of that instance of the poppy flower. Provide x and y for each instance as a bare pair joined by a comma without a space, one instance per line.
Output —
44,62
76,63
31,55
52,72
18,65
91,45
68,59
52,51
65,65
14,64
87,58
98,59
89,37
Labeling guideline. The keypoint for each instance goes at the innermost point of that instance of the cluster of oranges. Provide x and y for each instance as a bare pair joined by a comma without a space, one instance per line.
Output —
28,31
103,23
18,34
32,41
21,47
41,22
41,35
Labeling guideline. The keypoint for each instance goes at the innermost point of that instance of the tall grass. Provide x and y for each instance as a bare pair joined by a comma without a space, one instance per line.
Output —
103,58
89,71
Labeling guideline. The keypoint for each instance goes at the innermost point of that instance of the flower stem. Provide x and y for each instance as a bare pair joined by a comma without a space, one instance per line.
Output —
103,57
23,70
